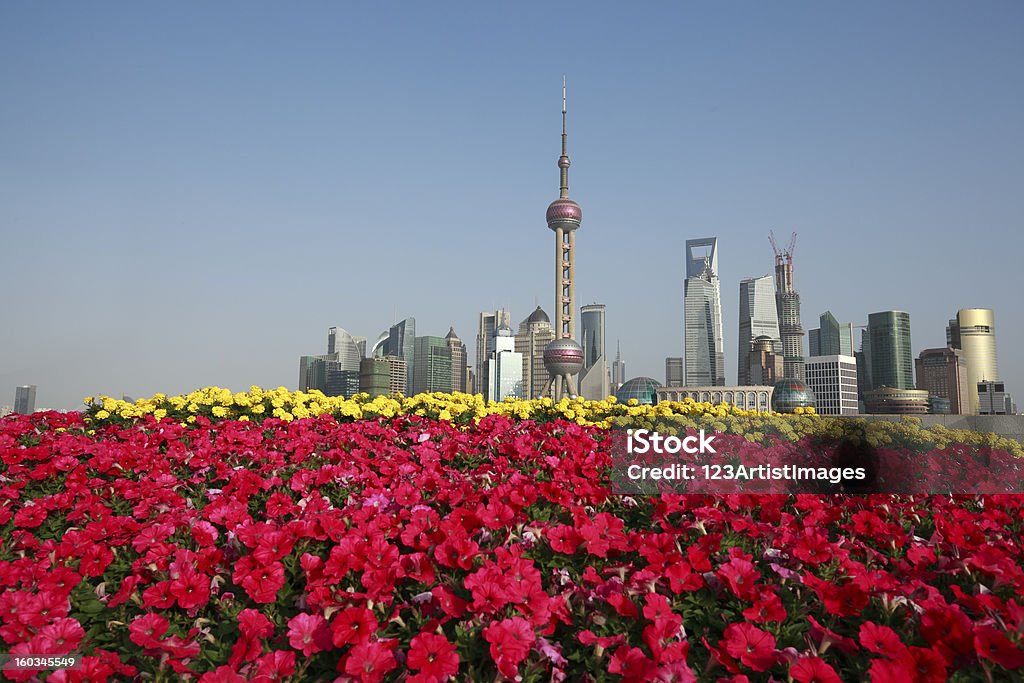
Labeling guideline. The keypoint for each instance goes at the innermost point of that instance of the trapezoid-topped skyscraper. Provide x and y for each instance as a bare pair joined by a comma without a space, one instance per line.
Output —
704,359
563,357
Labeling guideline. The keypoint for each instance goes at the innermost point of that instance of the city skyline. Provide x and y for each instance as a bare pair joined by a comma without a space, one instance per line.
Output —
159,198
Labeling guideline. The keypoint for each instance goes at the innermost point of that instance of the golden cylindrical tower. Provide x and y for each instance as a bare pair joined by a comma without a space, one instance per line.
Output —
974,332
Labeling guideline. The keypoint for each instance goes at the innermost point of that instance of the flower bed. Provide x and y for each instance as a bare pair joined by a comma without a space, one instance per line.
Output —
405,547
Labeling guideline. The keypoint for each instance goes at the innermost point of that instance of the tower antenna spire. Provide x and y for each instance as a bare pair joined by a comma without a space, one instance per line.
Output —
563,110
563,161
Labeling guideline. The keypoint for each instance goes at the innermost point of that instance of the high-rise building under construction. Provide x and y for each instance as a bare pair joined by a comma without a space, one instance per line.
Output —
787,302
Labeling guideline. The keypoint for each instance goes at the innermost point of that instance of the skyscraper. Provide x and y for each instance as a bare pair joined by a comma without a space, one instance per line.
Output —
312,373
993,398
489,324
335,373
505,367
382,376
346,347
675,375
594,378
833,379
704,357
25,399
831,338
375,376
943,374
460,375
618,369
787,302
402,343
973,331
891,358
432,360
758,318
864,383
360,345
379,348
763,364
341,365
563,357
534,334
399,378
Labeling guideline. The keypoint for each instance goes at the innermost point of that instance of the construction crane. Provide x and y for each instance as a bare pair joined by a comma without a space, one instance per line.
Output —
783,263
780,255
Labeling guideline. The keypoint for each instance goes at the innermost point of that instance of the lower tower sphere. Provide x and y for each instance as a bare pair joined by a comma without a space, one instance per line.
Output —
563,357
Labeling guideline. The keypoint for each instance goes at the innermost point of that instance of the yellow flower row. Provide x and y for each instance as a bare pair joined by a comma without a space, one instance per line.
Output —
281,403
256,404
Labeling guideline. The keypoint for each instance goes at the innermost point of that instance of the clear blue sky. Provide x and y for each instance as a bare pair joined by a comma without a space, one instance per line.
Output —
191,194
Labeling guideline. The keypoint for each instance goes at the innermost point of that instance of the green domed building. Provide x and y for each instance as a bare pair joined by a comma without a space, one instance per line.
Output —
790,394
643,389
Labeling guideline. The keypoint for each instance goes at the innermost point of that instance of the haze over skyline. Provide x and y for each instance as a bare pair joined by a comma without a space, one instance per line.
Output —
191,198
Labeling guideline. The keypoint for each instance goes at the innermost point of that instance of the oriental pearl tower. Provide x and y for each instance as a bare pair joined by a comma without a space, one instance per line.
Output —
563,357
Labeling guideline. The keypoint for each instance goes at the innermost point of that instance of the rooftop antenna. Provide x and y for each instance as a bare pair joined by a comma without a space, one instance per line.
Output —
563,162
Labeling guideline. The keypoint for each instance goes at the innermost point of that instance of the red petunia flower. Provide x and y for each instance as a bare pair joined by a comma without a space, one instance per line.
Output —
191,589
204,533
252,626
95,560
370,662
280,504
308,633
275,666
767,608
263,582
272,546
451,604
632,664
992,644
812,546
564,539
60,637
146,630
813,670
353,626
881,639
623,605
682,578
666,623
511,641
750,645
741,576
158,596
432,655
824,638
927,665
30,516
842,601
891,671
948,630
